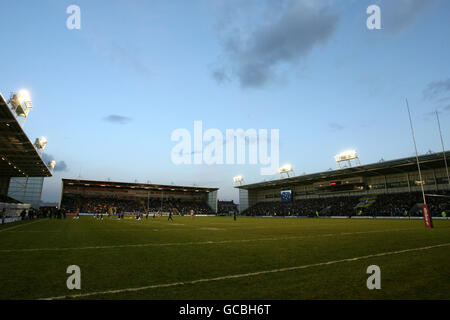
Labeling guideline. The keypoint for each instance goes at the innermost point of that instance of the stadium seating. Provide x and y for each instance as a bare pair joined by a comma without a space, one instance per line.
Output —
110,205
399,204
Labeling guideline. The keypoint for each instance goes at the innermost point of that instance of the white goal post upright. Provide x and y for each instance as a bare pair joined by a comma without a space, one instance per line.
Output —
426,212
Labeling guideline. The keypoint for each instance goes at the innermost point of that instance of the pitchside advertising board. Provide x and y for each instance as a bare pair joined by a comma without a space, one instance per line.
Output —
427,216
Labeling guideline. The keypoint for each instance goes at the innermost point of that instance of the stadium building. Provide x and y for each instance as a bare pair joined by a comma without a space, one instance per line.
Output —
359,182
87,196
22,170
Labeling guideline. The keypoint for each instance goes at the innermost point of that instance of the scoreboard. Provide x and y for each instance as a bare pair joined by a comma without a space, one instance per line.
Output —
341,185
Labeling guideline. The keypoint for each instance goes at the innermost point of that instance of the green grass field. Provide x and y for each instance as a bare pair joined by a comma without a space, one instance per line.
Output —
218,258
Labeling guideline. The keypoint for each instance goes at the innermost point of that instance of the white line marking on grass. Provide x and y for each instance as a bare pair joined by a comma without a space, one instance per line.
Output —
138,245
244,275
20,225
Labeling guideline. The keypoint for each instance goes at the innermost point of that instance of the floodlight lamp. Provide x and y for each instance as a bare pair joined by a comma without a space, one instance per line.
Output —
41,143
21,103
24,96
285,169
346,155
52,164
238,179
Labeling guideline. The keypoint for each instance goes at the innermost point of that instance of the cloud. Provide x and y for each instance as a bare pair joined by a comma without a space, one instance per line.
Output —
397,15
60,165
335,126
278,40
220,75
128,57
125,55
114,118
436,88
437,95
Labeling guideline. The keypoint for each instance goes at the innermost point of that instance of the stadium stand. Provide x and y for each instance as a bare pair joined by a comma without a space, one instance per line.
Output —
386,188
119,197
103,205
19,160
400,204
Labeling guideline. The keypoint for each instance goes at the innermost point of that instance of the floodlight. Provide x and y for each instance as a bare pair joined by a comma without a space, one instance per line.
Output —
285,169
24,96
238,179
41,143
52,164
21,103
347,156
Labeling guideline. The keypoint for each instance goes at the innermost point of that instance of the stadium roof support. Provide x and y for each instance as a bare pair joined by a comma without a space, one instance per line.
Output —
404,165
18,156
133,186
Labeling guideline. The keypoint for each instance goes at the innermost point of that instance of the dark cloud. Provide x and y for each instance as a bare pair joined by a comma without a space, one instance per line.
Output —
114,118
397,15
286,32
335,126
60,165
437,88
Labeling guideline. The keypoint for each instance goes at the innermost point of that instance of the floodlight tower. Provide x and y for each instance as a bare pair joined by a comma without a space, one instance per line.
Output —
286,169
21,104
348,157
238,179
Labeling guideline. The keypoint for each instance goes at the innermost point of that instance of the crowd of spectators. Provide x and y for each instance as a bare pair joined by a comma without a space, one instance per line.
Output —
116,206
400,204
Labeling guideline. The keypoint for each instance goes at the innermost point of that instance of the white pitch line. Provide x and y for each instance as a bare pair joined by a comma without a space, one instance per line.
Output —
138,245
243,275
20,225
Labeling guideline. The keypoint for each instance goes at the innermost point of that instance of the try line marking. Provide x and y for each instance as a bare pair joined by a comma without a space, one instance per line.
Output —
243,275
198,242
20,225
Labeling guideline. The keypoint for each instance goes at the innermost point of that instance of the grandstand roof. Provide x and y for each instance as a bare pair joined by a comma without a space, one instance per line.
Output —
134,186
404,165
18,156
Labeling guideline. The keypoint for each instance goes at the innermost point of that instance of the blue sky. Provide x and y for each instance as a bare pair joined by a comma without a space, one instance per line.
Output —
108,96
